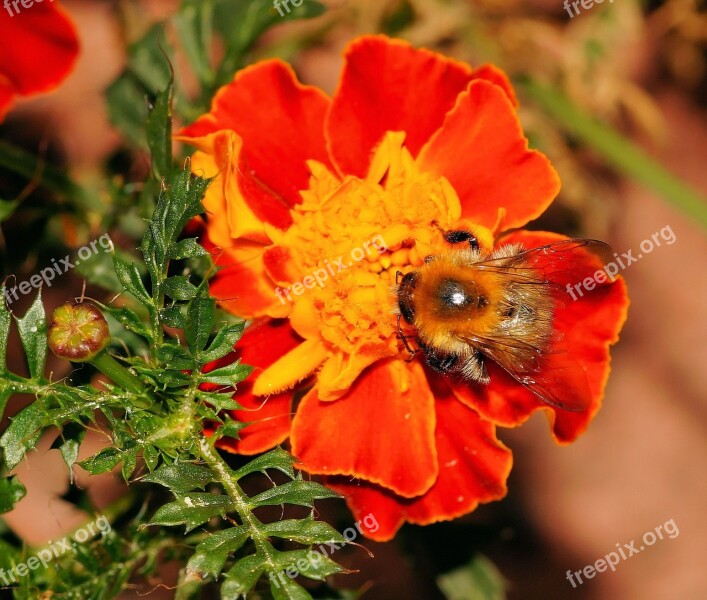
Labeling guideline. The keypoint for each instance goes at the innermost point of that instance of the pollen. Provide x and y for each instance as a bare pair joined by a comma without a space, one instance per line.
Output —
361,232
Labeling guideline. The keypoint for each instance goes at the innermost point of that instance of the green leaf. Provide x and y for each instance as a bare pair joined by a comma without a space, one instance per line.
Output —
202,313
309,563
129,277
175,316
7,207
277,459
223,342
187,248
284,588
194,26
230,429
151,456
33,333
127,108
477,580
181,477
229,375
242,577
129,462
11,492
179,288
104,461
305,531
175,357
129,319
5,395
159,132
23,433
192,510
223,401
4,330
212,553
68,444
298,492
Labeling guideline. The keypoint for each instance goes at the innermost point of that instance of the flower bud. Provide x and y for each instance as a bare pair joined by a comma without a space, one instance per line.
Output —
78,332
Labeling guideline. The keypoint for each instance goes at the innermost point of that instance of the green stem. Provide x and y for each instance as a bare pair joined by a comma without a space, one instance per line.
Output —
618,151
227,478
110,367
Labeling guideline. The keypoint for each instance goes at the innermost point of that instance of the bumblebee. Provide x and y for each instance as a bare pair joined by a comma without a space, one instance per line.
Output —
469,307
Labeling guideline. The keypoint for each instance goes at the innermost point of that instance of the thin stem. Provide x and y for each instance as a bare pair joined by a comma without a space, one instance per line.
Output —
226,477
110,367
618,151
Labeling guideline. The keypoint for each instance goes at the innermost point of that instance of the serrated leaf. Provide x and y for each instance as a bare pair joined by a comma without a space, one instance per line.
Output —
178,287
5,395
127,109
181,477
220,401
4,330
129,319
212,553
310,563
11,492
284,588
192,510
277,459
104,461
159,132
175,316
187,248
129,463
477,580
305,531
242,577
23,433
151,456
130,279
194,26
298,492
175,357
229,375
68,444
223,342
230,429
202,313
33,333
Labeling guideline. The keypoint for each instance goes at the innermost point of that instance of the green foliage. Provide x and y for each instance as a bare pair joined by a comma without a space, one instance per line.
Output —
479,579
160,400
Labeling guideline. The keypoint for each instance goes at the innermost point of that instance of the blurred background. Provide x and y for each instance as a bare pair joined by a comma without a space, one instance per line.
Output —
638,68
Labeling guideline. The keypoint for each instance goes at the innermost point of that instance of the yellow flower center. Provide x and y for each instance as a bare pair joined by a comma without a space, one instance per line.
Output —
351,236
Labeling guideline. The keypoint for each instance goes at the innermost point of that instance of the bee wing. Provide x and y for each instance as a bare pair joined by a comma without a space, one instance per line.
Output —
566,261
555,377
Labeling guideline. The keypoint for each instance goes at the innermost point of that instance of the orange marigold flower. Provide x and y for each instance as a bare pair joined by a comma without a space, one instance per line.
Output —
412,143
38,50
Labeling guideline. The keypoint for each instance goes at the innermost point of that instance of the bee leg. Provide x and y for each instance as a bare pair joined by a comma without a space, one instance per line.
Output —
475,369
459,235
404,337
442,363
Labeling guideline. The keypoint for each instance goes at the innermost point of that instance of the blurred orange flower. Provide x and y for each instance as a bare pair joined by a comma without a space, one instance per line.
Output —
411,143
38,49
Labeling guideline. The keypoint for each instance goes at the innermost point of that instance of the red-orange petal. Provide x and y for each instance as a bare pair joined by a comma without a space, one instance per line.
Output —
589,327
280,121
261,345
382,430
39,49
387,85
241,285
482,151
473,468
